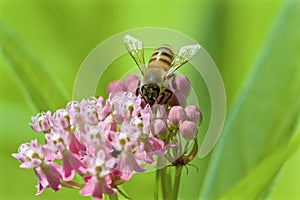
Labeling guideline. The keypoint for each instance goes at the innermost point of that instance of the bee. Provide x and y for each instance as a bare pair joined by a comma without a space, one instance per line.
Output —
160,68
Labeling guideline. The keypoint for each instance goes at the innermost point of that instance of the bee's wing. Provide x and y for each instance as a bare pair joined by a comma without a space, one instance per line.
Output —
136,50
185,54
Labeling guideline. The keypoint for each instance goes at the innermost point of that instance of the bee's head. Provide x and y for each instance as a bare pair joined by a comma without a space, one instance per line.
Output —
150,92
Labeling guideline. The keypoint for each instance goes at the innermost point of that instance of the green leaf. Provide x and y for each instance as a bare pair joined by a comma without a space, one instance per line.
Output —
41,89
265,111
262,174
286,184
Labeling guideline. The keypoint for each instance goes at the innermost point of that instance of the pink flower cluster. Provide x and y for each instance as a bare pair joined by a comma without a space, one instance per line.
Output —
106,142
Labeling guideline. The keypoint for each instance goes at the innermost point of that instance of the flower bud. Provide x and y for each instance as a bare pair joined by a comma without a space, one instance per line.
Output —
193,114
115,87
176,115
131,83
181,84
159,127
188,130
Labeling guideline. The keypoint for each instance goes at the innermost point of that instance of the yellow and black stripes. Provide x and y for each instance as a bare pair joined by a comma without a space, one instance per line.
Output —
161,58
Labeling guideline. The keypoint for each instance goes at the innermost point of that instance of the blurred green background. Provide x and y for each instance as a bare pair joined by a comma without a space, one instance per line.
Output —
255,44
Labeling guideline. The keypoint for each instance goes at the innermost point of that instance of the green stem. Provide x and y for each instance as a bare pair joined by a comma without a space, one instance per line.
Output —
179,146
113,196
157,176
163,180
166,183
123,193
163,176
176,185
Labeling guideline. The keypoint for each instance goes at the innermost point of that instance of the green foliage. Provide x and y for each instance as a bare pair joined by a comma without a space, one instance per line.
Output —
41,89
264,114
256,180
256,43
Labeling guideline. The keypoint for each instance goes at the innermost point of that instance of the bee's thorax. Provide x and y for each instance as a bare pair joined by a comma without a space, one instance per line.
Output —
153,75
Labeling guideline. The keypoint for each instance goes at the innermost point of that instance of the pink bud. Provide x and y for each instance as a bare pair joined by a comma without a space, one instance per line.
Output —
193,114
176,115
129,79
158,126
181,84
115,87
131,83
132,86
188,130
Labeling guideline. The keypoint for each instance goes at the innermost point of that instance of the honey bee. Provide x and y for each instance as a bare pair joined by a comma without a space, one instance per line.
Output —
160,68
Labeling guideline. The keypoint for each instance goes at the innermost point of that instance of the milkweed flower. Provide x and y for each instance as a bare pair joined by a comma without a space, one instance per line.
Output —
42,122
107,141
32,156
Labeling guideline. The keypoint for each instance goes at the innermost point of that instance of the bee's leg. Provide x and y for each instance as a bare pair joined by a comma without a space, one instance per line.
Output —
137,91
170,94
165,96
161,98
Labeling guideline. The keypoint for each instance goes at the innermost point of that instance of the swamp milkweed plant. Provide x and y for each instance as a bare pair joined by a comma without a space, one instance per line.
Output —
105,142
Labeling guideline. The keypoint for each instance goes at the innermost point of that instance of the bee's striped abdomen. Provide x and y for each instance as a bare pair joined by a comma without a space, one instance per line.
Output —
161,58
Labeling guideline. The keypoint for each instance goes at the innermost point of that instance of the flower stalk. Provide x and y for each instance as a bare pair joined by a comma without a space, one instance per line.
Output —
176,184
